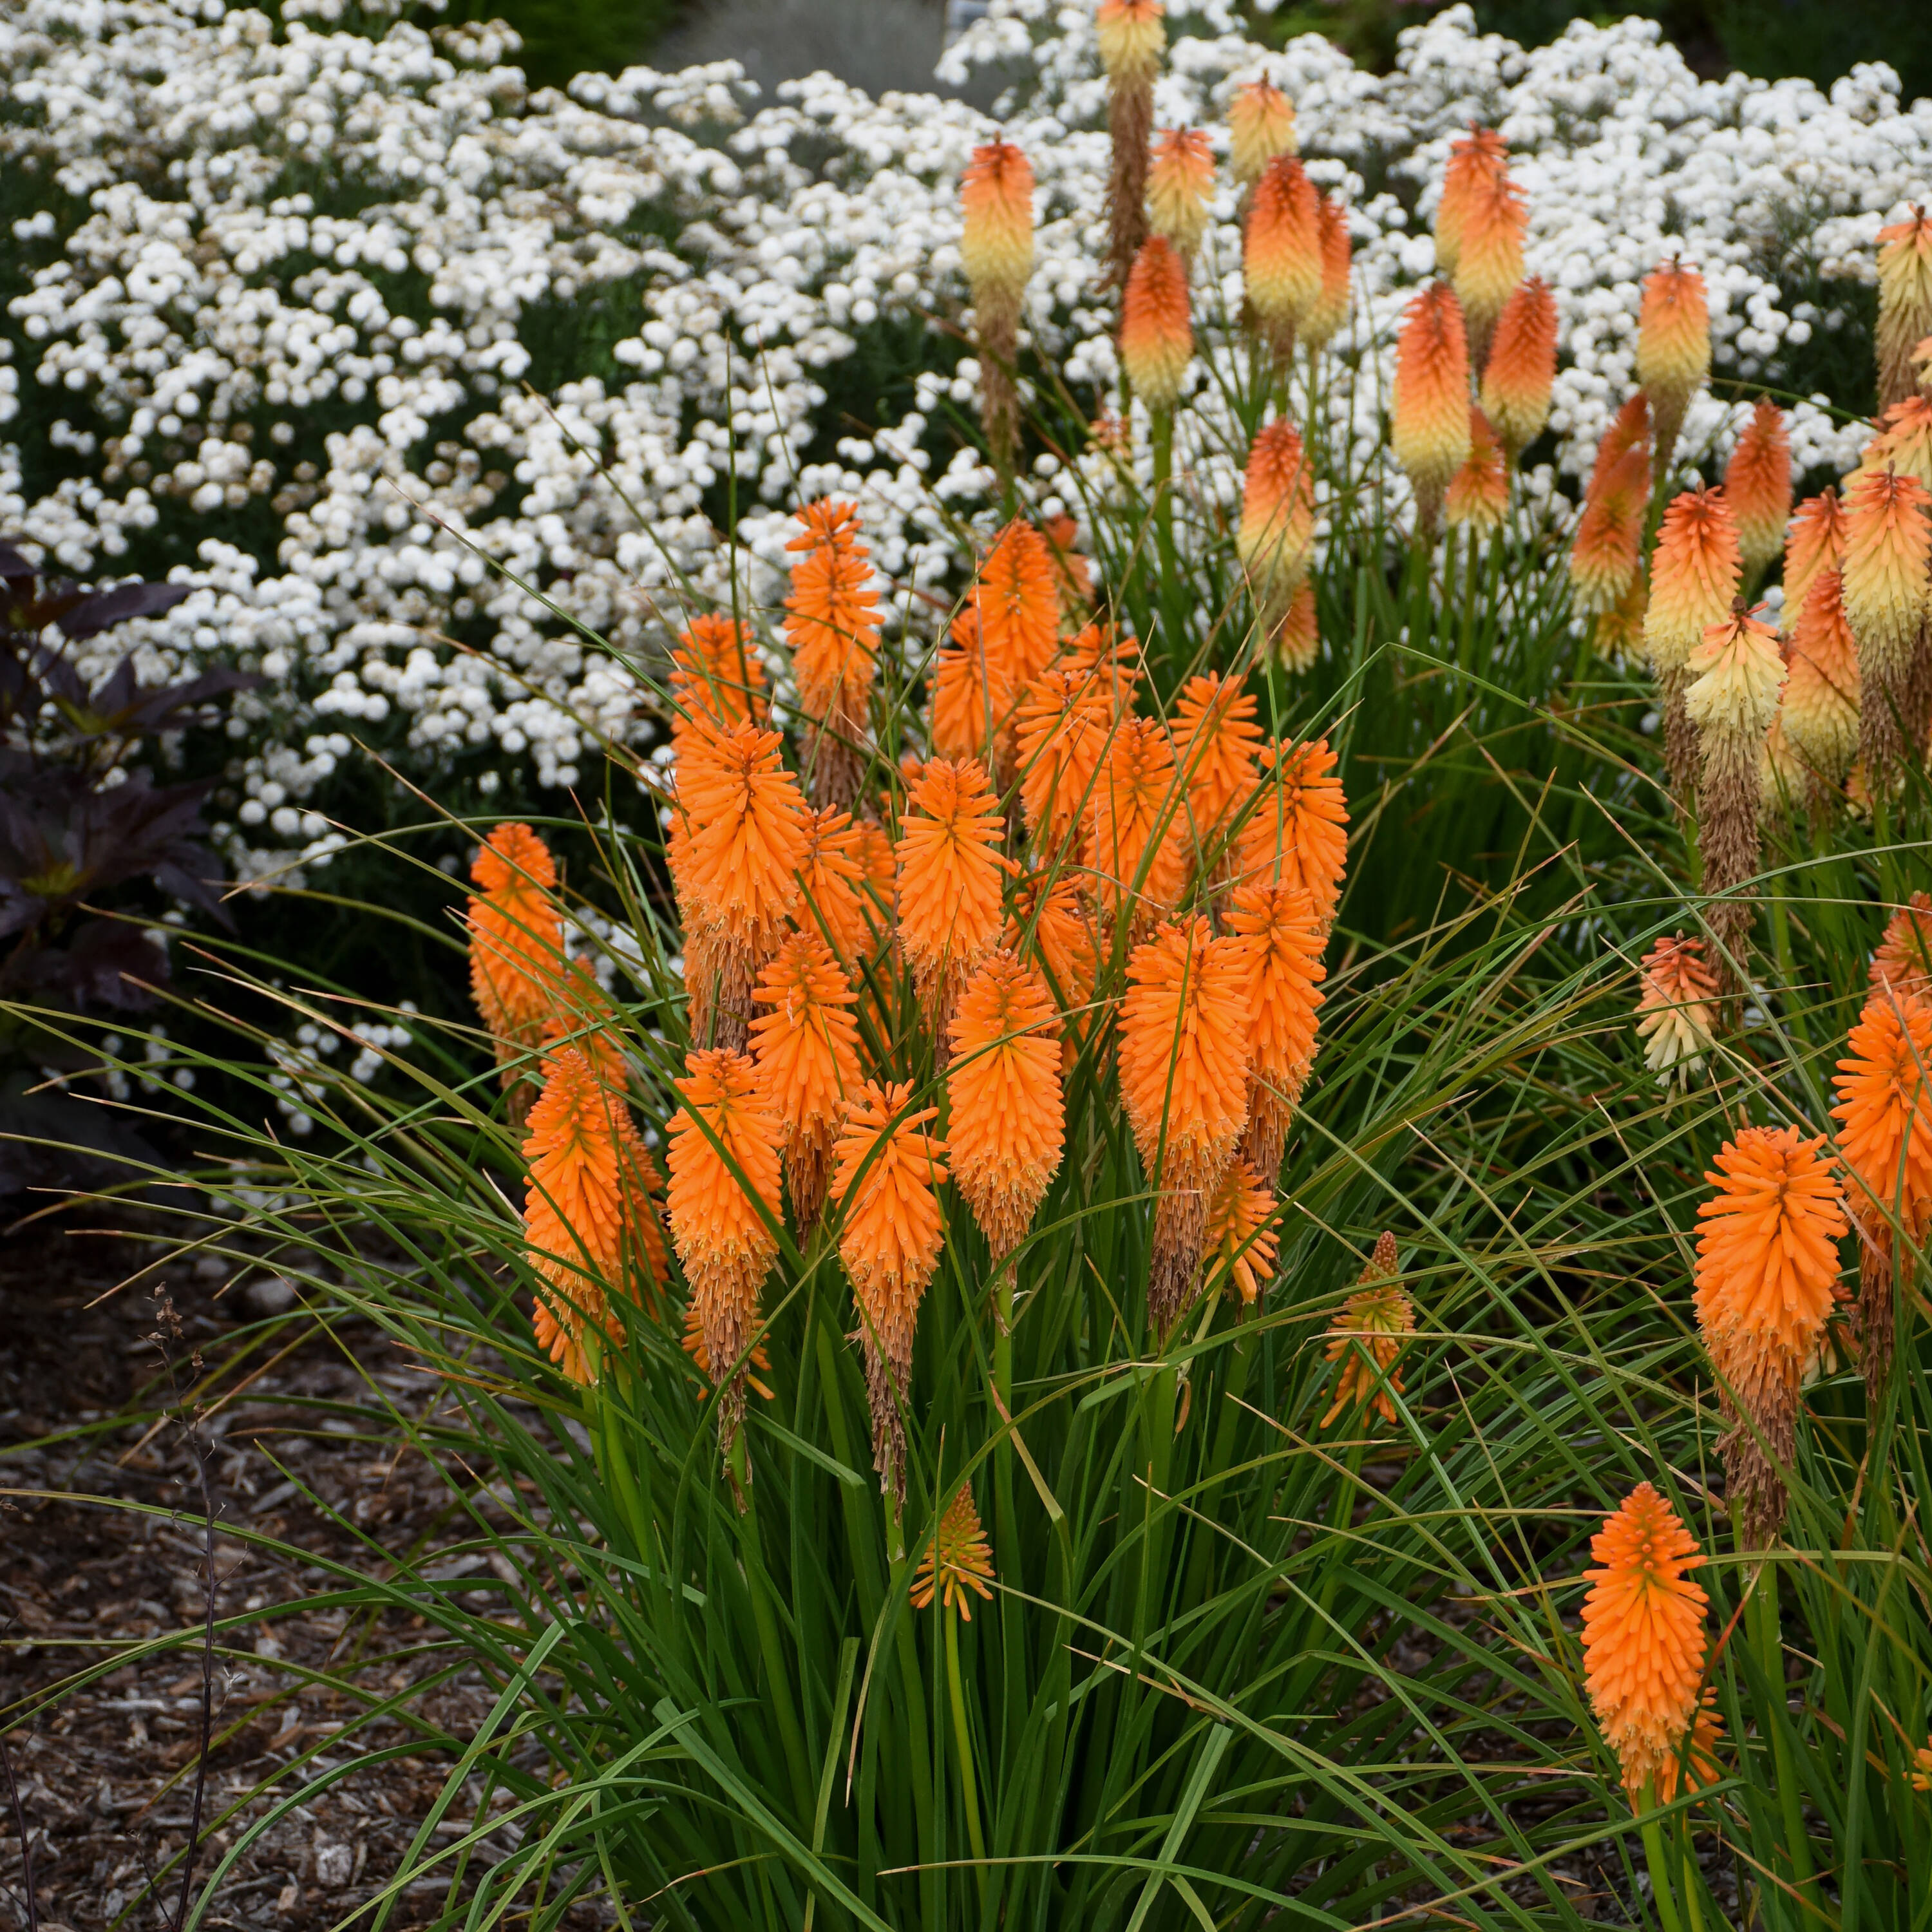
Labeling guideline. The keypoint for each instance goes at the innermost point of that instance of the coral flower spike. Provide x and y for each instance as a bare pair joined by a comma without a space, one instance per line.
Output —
1281,941
832,621
1520,371
1138,832
1694,578
1904,302
996,250
1429,414
1477,160
1887,548
1276,537
1281,252
721,1232
1294,828
1757,486
1261,125
1814,542
1018,599
1767,1276
1330,310
949,873
1156,334
957,1559
1367,1337
806,1048
516,948
1677,1009
1183,1064
1673,351
1180,177
1478,497
1644,1638
1489,257
1215,729
889,1240
1903,960
1604,558
1005,1118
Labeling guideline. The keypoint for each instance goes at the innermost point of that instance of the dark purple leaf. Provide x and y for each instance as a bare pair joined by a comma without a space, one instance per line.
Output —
116,606
14,568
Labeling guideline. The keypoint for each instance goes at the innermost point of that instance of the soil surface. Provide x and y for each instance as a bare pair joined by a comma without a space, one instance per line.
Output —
104,1530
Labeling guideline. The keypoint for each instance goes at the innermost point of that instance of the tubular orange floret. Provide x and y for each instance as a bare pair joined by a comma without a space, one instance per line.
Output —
888,1239
1281,942
1477,161
1673,349
1183,1066
1520,371
996,241
1816,541
1261,125
1072,574
1241,1238
720,1230
1904,442
1429,413
1017,600
1281,249
1005,1119
582,1016
1330,309
716,676
1297,640
1676,1010
1904,302
1368,1335
1607,549
971,714
1276,538
1157,335
832,622
1903,960
1052,925
516,943
1216,734
1478,497
1694,576
1643,1637
806,1050
1884,1113
1767,1277
1137,831
1757,485
949,870
587,1212
957,1559
1061,734
1489,256
1888,547
1180,177
1821,688
1294,830
832,904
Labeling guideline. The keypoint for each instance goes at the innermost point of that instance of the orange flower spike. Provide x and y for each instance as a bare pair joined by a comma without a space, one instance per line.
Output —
1296,641
1132,37
972,710
1644,1638
832,619
1006,1121
1061,731
1368,1336
832,902
1489,259
1888,547
1017,600
1214,726
516,938
1137,833
1294,830
1281,249
1156,333
1326,314
1240,1236
1821,688
1673,349
1183,1060
1905,443
1180,178
1815,542
1429,414
1477,160
949,873
1904,302
1885,1106
996,240
889,1234
1276,537
806,1049
1281,942
584,1017
957,1559
1757,485
1520,372
1606,554
1694,576
716,676
1072,574
1261,125
1677,1008
1478,497
1052,925
1903,961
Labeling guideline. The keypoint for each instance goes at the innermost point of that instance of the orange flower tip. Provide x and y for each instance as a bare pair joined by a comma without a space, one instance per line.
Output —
996,243
1281,247
1757,484
1276,537
1293,829
1016,603
742,827
1673,336
806,1045
1676,1013
1181,178
1694,576
1478,494
1520,373
1241,1237
1903,961
887,1169
950,870
958,1559
717,676
513,857
1156,333
1478,162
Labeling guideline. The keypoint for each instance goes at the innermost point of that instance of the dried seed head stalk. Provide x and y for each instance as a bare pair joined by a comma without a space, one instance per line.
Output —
1643,1637
1478,498
1005,1119
1673,351
1261,125
1757,486
1428,427
1735,675
1767,1277
1294,827
1904,302
805,1046
1821,690
1180,178
1888,550
949,872
1281,942
1281,252
832,621
1694,576
996,250
1520,371
888,1239
1677,1008
1241,1237
1183,1063
1156,333
1276,537
1367,1337
1133,36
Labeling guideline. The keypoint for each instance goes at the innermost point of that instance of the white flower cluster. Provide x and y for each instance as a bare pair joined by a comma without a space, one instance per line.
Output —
419,379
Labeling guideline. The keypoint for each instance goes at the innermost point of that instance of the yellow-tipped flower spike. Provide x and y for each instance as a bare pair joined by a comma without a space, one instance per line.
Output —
1330,309
1815,542
1180,178
1296,641
1241,1238
1757,485
1489,259
1367,1339
1156,333
1821,690
1132,35
1275,538
1643,1638
1673,350
1476,161
1521,370
1677,1009
957,1559
1478,498
1261,125
1904,302
1905,442
1281,250
1694,577
1605,554
996,240
1887,548
1429,418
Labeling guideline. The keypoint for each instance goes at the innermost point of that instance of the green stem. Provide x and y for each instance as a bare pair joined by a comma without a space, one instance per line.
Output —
777,1672
1761,1614
1162,437
1661,1888
969,1783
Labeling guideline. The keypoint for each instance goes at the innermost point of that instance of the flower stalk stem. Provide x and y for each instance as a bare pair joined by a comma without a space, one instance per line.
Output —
969,1783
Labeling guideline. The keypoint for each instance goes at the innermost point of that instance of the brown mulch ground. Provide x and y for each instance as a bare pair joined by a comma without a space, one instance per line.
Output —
105,1772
